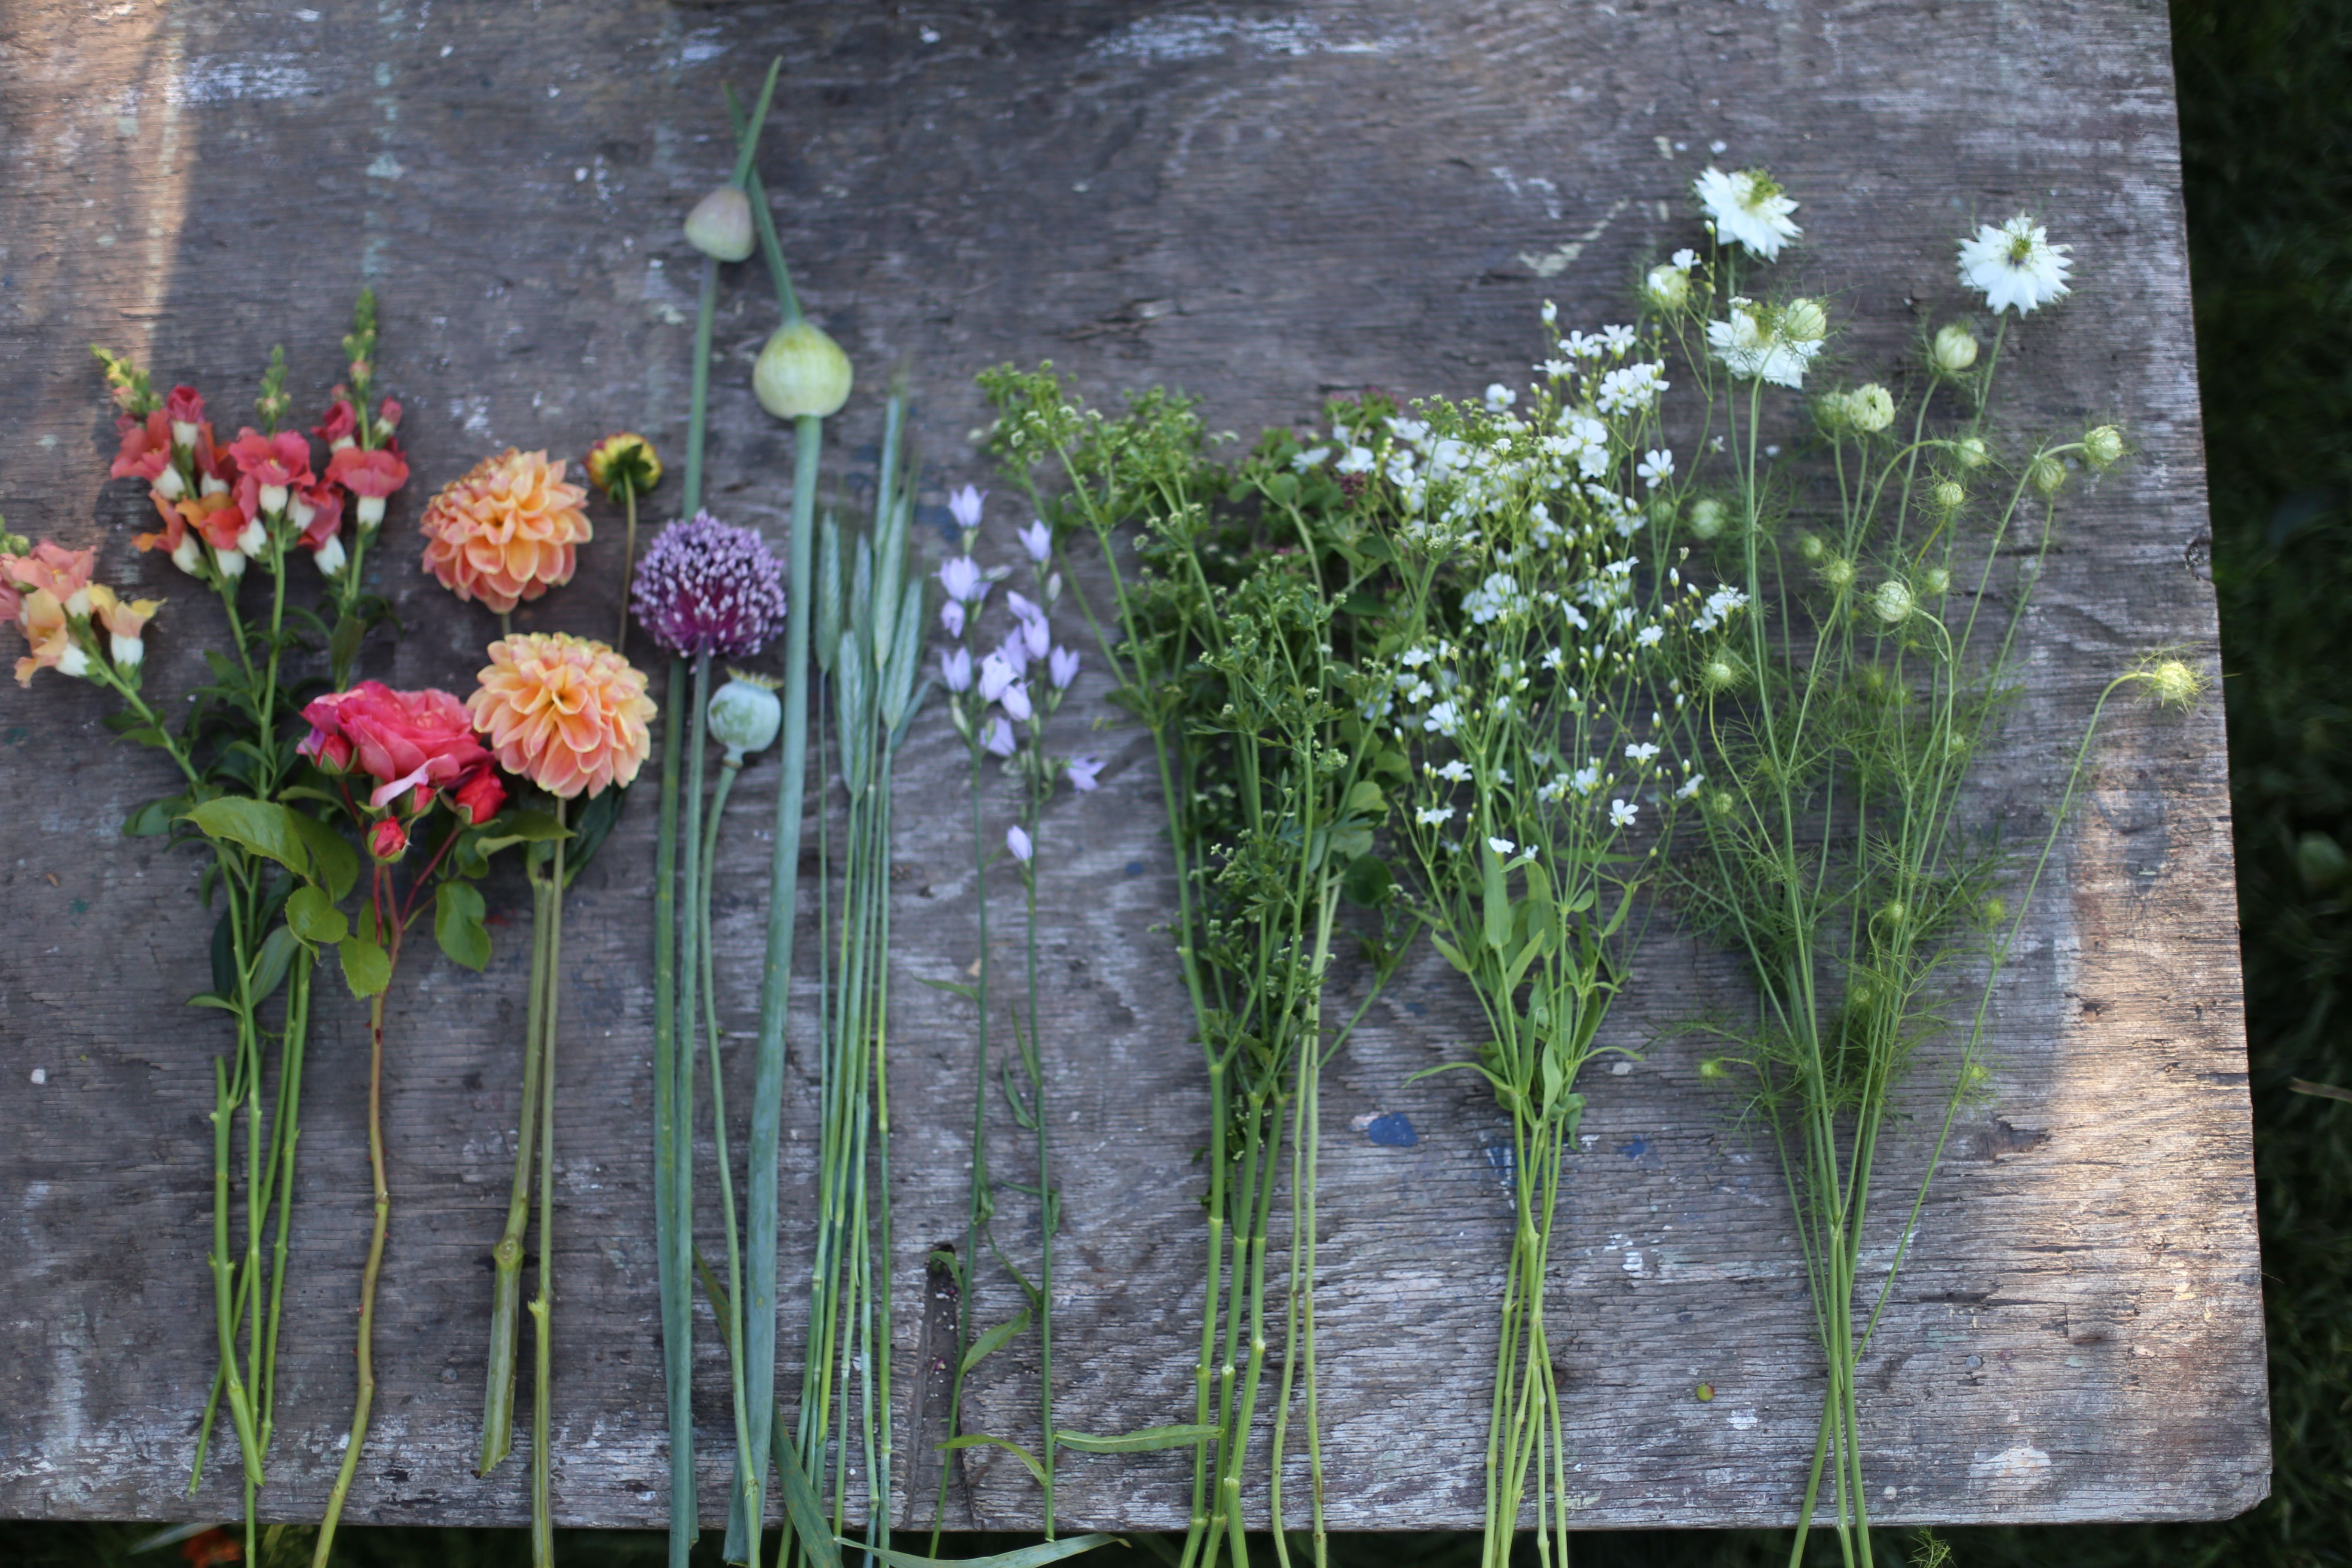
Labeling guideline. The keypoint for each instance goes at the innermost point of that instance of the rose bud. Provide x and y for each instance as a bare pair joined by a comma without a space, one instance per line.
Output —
479,798
388,840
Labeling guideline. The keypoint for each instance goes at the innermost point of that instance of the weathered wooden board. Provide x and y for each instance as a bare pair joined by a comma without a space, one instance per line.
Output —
1262,204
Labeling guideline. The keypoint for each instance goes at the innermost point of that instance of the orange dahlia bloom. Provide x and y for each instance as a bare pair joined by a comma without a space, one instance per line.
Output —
569,714
507,531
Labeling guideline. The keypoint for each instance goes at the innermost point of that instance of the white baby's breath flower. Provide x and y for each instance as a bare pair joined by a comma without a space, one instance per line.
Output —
1620,814
1359,460
1650,635
1685,258
1640,751
1689,786
1434,815
1499,397
1586,779
1456,772
1655,468
2015,265
1619,339
1501,846
1444,718
1748,208
1309,458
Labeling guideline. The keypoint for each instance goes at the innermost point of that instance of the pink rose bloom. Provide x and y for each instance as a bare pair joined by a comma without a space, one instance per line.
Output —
419,741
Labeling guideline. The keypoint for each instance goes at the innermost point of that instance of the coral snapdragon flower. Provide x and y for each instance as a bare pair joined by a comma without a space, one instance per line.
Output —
49,633
372,476
507,531
63,573
565,712
146,450
276,462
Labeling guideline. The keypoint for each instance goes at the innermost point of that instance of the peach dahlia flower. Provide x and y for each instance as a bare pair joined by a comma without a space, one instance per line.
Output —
569,714
507,531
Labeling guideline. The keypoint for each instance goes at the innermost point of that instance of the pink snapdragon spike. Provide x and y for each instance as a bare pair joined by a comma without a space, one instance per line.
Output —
1039,540
998,737
964,505
1085,774
955,669
707,588
1017,840
1063,665
962,580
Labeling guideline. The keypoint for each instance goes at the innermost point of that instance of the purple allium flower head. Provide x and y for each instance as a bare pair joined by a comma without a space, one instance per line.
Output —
1063,663
1017,840
1014,700
964,506
1083,771
998,737
955,668
951,618
707,587
1039,540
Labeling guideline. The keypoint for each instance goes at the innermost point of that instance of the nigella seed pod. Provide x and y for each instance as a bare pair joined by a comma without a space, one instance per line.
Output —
802,372
1948,495
1893,602
1870,407
2103,446
1969,452
745,715
1935,581
1707,518
720,225
2047,475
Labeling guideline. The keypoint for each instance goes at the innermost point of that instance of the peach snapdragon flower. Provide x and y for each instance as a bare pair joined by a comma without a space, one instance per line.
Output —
565,712
507,531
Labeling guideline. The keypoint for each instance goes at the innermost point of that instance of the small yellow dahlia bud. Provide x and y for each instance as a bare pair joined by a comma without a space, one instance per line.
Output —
2103,446
1947,496
802,372
1893,602
1870,407
1667,286
1707,518
720,225
2174,682
621,463
1954,350
2046,475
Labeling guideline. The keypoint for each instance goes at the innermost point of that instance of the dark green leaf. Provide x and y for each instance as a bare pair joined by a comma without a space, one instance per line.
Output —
1016,1449
333,862
1367,882
457,924
1027,1557
590,829
531,827
994,1339
278,950
311,915
366,970
155,817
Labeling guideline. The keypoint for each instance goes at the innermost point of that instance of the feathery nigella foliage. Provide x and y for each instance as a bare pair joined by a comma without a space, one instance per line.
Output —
708,589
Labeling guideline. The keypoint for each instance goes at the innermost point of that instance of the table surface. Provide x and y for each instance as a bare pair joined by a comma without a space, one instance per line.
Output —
1262,204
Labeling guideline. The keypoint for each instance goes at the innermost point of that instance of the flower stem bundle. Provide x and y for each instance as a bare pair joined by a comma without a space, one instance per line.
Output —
1845,719
1225,641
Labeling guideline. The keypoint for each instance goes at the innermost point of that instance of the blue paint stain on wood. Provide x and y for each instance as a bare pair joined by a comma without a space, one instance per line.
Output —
1135,867
1636,1150
1394,1129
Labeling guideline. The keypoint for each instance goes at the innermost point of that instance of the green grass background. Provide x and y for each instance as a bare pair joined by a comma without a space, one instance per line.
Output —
2267,133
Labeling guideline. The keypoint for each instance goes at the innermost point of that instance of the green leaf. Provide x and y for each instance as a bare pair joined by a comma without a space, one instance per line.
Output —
334,863
1283,489
969,993
529,828
366,969
1349,843
345,646
994,1339
278,950
1027,1557
1367,799
978,1439
591,828
304,846
1144,1440
1448,951
1497,898
457,924
155,817
311,915
207,999
1367,882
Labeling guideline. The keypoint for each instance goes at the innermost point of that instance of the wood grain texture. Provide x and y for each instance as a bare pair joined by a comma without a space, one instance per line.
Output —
1262,204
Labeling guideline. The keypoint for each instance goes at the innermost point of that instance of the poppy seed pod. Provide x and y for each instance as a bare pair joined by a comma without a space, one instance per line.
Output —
720,225
745,715
802,372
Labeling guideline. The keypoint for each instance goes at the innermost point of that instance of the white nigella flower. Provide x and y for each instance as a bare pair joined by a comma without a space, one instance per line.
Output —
1748,208
1310,458
1655,468
1434,815
1619,813
1754,344
1640,751
2015,265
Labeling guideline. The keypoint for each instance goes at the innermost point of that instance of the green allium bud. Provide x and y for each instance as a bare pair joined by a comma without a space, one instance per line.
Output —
2103,446
1707,518
1666,287
720,225
802,371
745,715
1954,350
1893,602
